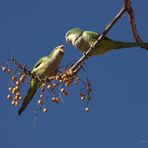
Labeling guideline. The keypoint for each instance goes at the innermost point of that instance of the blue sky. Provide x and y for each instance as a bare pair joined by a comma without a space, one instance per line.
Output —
118,116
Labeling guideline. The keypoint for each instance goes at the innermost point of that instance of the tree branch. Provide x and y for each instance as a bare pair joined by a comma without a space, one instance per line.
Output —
131,16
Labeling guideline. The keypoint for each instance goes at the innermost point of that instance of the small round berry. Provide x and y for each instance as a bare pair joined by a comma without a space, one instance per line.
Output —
13,102
62,90
17,83
3,68
87,109
9,71
82,98
16,103
49,86
9,97
40,101
45,110
13,78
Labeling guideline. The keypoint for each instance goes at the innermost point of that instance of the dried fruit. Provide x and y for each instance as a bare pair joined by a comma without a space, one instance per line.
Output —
9,71
54,84
40,101
22,79
41,96
13,102
62,90
64,75
13,78
87,109
82,98
9,97
58,77
67,83
56,100
17,83
45,109
49,86
3,68
16,103
10,88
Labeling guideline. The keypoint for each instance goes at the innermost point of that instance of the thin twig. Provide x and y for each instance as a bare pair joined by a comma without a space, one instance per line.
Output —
131,16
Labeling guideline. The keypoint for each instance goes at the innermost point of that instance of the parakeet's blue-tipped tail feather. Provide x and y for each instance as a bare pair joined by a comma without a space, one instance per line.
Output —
30,93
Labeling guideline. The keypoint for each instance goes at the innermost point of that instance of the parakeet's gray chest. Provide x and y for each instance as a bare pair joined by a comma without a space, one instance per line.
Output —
81,44
46,68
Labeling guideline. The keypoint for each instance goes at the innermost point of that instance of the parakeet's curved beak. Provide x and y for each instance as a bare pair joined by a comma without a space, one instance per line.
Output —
61,48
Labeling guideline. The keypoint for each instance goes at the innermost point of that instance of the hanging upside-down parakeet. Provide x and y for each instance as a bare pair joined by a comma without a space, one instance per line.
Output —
45,67
82,40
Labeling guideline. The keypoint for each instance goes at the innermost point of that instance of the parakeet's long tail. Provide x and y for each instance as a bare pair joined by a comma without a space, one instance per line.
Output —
30,93
119,44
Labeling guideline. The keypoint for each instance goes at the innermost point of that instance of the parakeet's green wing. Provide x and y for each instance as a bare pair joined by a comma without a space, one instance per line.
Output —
38,62
90,36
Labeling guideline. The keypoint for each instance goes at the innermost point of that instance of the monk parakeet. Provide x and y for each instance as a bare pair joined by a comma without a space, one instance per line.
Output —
45,67
82,40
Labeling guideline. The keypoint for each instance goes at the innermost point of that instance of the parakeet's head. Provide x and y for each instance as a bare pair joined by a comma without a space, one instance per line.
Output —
73,34
58,52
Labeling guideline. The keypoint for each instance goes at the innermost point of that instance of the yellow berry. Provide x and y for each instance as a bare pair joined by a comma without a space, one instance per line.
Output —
16,103
49,86
3,68
40,101
62,90
43,85
17,94
14,91
82,98
87,109
17,83
54,84
9,71
13,102
9,97
60,81
45,109
10,88
13,78
20,98
41,96
16,88
58,77
67,83
23,76
64,75
22,79
56,100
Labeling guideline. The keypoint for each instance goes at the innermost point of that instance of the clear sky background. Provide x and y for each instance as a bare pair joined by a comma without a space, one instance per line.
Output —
119,111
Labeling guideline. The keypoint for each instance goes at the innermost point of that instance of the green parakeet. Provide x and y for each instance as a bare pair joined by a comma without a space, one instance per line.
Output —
82,40
45,67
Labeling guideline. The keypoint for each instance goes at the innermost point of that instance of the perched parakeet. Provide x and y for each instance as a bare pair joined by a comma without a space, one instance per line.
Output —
45,67
82,40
